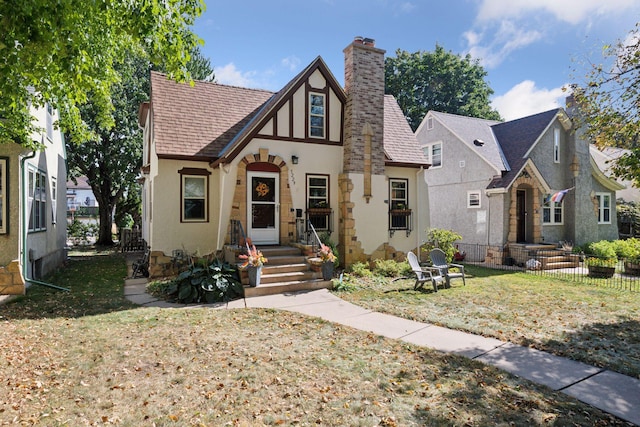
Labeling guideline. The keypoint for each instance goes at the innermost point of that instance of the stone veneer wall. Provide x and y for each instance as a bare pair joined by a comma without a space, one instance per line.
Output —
513,211
239,205
11,280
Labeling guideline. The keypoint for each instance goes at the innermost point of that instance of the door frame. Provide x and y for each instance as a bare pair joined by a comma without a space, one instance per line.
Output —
270,235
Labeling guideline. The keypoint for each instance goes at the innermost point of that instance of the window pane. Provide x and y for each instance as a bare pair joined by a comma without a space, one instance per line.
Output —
317,182
194,187
436,155
317,110
194,208
262,189
317,121
546,215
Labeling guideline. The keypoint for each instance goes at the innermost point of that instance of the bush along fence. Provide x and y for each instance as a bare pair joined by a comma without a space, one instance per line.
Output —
599,265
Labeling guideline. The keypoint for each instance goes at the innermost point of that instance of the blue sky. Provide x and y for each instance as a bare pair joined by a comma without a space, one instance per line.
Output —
530,48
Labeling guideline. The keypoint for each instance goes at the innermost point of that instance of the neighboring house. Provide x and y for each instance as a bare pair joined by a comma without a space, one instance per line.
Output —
81,203
32,206
344,159
491,181
605,159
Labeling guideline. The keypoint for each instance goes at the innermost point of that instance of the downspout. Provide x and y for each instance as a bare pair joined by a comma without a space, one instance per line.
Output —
223,174
418,243
25,226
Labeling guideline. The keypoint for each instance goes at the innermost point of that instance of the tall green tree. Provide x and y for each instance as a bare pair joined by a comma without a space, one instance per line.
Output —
440,81
58,52
112,155
608,102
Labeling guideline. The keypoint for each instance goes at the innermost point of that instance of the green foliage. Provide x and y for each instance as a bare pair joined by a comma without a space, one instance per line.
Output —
81,230
609,101
216,282
360,269
62,52
440,81
443,239
628,215
603,249
345,283
390,268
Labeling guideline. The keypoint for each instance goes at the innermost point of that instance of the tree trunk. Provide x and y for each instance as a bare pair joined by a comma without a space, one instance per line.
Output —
106,219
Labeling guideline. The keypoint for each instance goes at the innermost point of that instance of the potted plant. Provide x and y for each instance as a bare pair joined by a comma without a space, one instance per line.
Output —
602,263
253,262
328,261
629,251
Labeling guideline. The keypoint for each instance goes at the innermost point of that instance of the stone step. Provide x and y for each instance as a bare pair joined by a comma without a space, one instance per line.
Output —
284,259
550,253
276,251
282,287
558,265
294,276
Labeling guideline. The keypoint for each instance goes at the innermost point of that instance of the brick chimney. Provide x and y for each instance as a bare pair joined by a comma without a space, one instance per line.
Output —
364,86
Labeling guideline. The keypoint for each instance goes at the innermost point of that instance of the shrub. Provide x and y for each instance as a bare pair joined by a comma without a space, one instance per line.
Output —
443,239
344,283
219,281
387,268
360,269
603,249
628,249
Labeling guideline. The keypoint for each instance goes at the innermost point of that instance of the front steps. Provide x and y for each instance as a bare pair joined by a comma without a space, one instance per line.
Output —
549,256
287,270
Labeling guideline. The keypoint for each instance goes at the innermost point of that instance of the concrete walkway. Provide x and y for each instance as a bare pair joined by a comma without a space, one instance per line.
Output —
611,392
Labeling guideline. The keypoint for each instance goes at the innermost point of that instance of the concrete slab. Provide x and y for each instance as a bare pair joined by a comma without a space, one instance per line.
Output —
611,392
136,289
143,299
452,341
333,311
383,324
238,303
291,299
538,366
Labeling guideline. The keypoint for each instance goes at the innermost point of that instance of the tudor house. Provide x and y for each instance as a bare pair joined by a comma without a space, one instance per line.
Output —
343,159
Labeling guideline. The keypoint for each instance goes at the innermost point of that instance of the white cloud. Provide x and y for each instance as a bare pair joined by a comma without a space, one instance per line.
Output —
570,11
291,63
230,75
525,99
507,38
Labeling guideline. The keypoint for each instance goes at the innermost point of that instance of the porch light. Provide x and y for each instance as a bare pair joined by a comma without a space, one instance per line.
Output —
294,160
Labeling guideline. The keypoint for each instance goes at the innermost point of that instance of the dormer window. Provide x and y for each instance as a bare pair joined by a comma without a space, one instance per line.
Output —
316,115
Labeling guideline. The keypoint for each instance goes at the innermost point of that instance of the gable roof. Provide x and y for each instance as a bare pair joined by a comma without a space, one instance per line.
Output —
469,129
198,121
400,143
516,138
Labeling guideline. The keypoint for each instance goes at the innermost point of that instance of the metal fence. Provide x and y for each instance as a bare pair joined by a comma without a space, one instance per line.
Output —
545,260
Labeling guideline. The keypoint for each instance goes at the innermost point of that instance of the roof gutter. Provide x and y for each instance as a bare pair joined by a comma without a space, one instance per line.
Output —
25,227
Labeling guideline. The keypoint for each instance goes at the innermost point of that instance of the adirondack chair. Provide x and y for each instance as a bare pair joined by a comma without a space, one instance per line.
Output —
439,261
140,267
424,274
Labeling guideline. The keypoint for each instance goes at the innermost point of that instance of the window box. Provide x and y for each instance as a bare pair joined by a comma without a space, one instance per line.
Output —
400,212
319,211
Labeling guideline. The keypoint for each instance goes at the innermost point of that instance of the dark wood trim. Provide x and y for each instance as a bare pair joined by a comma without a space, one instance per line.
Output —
407,165
194,158
6,202
194,171
306,188
262,167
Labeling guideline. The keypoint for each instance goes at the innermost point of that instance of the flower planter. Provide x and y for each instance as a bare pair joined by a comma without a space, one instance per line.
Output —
400,212
254,275
632,268
319,211
327,271
600,272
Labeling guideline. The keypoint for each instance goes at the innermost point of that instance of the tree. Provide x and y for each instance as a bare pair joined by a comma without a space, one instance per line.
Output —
440,81
111,158
609,100
58,52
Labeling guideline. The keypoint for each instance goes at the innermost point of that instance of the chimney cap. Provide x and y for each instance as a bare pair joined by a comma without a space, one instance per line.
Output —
369,42
358,39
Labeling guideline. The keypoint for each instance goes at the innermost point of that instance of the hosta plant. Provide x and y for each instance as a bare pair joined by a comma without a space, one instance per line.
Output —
216,282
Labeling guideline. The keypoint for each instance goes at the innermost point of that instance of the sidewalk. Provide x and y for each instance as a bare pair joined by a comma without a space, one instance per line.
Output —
611,392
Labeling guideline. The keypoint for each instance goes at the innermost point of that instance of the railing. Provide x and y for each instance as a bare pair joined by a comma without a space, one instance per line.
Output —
306,234
400,220
622,275
237,237
131,240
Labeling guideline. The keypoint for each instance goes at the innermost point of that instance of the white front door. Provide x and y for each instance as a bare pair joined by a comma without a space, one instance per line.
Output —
263,207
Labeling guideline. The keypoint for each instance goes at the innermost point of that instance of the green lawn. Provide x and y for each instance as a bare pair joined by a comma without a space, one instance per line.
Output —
88,357
593,324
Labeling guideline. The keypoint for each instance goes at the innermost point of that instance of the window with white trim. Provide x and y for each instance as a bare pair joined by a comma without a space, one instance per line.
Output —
37,200
318,209
3,196
194,198
54,197
604,208
556,145
316,115
433,153
473,199
49,121
400,214
552,213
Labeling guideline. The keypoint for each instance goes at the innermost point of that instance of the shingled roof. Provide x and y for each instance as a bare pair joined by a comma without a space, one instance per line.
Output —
516,138
199,121
400,143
